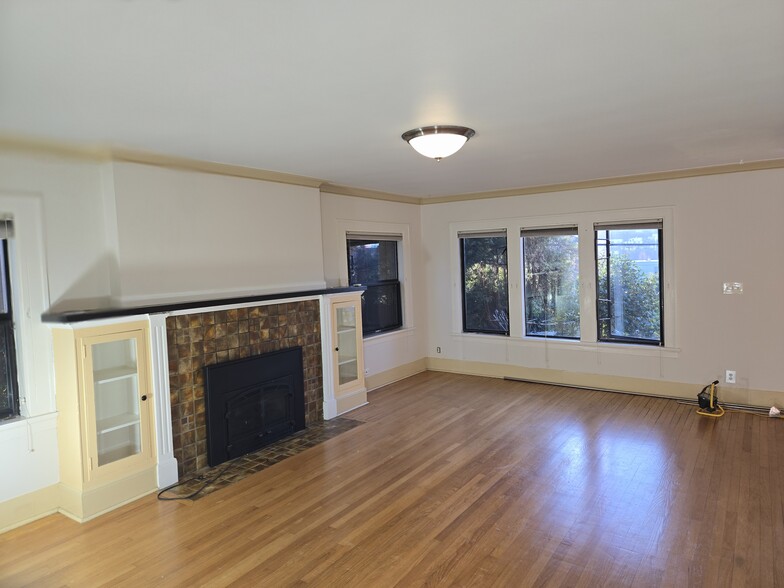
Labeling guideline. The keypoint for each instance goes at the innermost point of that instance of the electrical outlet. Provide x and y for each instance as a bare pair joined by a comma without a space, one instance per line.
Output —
438,350
729,377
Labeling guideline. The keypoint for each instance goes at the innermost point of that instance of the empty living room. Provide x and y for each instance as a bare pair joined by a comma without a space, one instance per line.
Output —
421,294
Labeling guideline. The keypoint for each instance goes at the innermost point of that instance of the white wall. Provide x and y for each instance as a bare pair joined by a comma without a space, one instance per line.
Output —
89,233
59,254
386,351
184,233
726,228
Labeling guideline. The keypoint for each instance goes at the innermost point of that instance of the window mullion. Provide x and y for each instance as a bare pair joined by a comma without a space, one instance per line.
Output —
588,289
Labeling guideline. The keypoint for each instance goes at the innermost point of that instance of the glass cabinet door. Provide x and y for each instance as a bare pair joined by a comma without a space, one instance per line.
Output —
346,342
117,397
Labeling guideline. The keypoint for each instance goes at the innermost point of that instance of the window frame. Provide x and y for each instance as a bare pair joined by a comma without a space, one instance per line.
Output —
7,325
518,343
550,231
479,235
396,283
610,226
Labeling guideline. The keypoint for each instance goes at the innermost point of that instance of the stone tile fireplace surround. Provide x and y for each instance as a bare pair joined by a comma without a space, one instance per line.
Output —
200,339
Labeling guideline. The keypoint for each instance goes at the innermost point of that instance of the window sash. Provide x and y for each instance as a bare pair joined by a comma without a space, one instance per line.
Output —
378,317
606,296
382,317
551,299
463,236
9,389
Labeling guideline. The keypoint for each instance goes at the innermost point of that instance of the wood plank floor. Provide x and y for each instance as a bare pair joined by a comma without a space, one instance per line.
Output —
465,481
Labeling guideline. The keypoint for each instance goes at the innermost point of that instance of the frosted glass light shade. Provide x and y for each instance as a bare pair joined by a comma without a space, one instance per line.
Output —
438,141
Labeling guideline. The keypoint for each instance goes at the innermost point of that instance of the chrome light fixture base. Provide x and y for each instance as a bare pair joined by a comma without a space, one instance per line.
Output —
438,141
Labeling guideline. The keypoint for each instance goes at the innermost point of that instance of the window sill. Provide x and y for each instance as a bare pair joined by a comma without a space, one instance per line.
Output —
581,346
400,333
20,422
8,421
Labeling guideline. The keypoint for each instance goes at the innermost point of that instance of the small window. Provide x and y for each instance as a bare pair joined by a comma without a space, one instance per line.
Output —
9,393
373,263
485,282
552,282
629,300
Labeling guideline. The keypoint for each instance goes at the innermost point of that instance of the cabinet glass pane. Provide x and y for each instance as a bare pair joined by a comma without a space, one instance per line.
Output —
116,389
346,326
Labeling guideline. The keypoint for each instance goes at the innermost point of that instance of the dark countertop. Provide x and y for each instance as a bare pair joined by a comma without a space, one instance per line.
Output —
89,314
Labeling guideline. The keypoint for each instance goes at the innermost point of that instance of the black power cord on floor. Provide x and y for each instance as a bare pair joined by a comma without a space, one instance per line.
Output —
197,492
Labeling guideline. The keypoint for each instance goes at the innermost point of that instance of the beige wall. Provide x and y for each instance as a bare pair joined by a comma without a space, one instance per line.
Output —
725,228
183,233
385,352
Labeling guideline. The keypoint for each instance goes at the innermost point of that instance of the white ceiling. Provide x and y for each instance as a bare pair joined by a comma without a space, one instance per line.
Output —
557,90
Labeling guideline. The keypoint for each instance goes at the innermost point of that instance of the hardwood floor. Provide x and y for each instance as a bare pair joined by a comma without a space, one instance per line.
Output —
459,480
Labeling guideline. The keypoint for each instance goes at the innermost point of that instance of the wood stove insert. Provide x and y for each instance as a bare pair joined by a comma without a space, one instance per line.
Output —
253,402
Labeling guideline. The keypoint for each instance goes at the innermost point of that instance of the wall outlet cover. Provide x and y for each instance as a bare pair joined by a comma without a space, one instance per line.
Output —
733,287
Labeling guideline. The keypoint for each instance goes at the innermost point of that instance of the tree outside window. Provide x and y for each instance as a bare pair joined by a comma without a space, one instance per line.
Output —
485,283
629,299
552,282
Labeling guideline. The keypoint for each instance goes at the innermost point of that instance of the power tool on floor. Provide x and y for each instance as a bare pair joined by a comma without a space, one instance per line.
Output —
708,400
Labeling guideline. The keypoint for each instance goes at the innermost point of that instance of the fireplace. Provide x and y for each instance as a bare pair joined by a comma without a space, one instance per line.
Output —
253,402
205,338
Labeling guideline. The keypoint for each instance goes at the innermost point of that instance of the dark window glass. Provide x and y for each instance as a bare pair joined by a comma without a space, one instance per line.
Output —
9,394
628,283
485,289
373,264
552,283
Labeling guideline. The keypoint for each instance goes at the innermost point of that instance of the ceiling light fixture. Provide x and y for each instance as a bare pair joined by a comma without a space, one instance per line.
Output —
438,141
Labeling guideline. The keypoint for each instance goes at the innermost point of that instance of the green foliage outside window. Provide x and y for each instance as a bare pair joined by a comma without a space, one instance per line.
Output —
485,291
629,303
552,286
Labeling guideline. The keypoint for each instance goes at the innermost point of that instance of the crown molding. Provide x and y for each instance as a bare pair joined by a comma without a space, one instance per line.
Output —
119,154
328,188
614,181
18,143
210,167
104,154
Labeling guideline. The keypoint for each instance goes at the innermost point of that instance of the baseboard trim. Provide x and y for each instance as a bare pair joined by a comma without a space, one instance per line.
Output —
400,372
28,507
349,402
623,384
85,504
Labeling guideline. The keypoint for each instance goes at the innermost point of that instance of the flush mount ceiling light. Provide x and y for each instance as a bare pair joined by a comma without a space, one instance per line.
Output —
438,141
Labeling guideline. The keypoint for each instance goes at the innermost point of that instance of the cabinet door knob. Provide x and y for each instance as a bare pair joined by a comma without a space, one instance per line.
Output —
144,398
337,348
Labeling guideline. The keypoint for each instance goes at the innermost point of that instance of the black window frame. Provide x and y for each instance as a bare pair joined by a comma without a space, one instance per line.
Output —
480,235
375,286
558,231
610,226
7,341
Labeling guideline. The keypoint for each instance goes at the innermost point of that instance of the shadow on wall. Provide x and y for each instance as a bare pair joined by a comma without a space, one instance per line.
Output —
96,288
210,279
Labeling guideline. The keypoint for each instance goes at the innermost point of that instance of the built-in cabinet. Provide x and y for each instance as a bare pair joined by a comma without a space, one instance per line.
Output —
344,373
105,420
